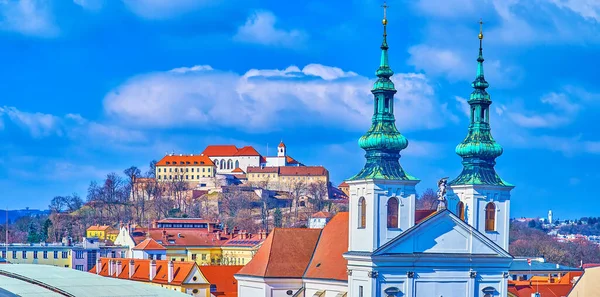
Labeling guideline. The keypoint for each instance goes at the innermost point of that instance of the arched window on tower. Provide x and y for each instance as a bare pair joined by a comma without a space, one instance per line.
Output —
229,164
392,213
376,105
490,217
387,105
237,164
362,213
482,114
222,164
460,210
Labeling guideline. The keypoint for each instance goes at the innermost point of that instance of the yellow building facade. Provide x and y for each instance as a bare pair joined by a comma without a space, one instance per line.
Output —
47,255
102,232
188,168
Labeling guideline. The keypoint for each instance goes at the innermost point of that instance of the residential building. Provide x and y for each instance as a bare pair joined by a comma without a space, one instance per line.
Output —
344,187
544,285
79,256
587,285
221,279
187,168
284,178
228,158
102,232
182,277
319,220
46,280
195,240
383,246
149,249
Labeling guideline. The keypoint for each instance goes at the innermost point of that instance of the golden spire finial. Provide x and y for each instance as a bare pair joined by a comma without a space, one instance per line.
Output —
480,29
385,7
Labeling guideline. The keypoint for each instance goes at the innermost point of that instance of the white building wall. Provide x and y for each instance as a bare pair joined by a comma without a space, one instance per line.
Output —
260,287
243,161
275,161
475,199
376,195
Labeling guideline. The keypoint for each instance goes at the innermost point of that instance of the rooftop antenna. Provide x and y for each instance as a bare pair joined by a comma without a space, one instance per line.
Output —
6,238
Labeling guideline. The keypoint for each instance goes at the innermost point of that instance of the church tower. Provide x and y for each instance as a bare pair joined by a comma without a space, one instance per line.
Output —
479,196
382,194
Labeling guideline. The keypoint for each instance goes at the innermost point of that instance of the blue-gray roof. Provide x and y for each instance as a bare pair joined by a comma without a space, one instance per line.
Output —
522,265
44,280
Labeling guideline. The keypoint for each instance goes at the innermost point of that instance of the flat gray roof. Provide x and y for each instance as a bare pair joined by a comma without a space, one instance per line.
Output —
45,280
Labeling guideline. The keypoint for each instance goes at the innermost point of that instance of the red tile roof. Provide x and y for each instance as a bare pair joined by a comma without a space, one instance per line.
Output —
322,214
558,288
186,220
328,261
343,185
281,144
180,237
220,150
247,151
149,244
285,253
181,270
99,228
290,170
303,170
422,214
238,170
188,160
222,277
291,160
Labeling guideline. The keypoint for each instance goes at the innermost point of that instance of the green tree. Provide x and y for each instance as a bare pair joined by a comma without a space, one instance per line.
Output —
277,218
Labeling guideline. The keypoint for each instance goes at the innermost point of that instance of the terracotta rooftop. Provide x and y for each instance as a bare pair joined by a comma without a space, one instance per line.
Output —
291,160
322,215
183,221
343,185
149,244
247,151
222,278
285,253
220,150
303,170
181,270
422,214
180,237
185,160
99,228
328,261
238,170
290,170
281,144
559,287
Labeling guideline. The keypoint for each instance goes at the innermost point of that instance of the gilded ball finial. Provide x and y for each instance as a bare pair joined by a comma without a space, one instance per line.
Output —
384,22
480,29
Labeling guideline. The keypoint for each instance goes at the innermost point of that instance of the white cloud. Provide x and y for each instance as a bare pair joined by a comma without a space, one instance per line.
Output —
456,65
40,125
463,106
28,17
564,112
267,100
90,4
586,8
260,28
164,9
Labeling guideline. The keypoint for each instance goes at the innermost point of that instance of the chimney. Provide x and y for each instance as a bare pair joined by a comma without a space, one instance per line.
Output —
152,269
226,230
218,235
131,268
170,271
119,268
209,227
98,266
235,230
154,224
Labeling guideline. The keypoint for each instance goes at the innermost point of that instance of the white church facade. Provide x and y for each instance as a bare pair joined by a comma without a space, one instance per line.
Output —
385,247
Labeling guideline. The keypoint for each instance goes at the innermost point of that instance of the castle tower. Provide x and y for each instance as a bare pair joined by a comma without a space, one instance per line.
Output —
550,217
479,195
382,194
281,149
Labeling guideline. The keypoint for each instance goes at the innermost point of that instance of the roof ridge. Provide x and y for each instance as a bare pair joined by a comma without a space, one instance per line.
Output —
313,253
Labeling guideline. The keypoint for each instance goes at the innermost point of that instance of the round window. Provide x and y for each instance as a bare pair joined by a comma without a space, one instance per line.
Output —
195,278
289,292
195,291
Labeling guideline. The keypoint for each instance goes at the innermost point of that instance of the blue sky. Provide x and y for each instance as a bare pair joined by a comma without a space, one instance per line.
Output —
89,87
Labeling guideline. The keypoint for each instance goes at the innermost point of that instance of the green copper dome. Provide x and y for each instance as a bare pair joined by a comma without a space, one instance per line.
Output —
382,142
479,150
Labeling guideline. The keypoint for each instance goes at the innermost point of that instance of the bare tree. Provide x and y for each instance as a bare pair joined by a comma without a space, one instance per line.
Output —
318,193
296,189
427,200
